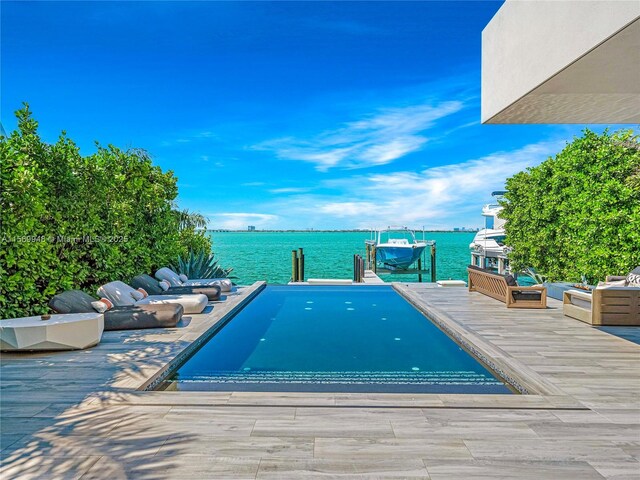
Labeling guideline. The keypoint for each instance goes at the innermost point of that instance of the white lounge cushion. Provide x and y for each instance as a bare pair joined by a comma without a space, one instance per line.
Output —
192,303
580,299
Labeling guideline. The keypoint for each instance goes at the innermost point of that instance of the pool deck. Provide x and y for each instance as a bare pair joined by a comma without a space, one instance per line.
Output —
79,414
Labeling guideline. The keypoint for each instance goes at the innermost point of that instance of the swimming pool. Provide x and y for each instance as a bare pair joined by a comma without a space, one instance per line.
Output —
332,339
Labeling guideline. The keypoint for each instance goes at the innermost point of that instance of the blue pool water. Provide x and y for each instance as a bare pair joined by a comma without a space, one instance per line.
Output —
337,339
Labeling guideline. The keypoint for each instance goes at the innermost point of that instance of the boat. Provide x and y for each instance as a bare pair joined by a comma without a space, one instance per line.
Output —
396,247
489,241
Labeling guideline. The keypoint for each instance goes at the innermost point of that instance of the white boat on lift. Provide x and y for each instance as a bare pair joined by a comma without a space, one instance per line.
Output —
397,247
489,241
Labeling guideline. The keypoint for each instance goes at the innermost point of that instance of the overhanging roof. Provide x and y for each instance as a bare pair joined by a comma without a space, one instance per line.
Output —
562,62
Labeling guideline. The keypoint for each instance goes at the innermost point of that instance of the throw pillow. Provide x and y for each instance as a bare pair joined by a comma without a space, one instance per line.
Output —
183,277
633,279
511,280
164,285
143,292
102,305
137,295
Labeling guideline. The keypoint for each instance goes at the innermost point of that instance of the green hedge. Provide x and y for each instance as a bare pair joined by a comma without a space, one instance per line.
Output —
72,221
578,213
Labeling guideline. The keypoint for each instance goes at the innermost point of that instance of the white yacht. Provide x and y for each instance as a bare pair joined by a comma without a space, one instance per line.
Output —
489,241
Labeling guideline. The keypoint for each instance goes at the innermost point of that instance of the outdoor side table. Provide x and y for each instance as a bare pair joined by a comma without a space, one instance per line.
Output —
72,331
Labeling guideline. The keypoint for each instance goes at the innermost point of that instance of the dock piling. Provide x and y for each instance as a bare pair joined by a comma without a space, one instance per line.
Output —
294,266
300,265
433,262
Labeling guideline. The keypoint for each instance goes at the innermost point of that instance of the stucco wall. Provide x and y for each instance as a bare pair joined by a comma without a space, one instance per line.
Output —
529,41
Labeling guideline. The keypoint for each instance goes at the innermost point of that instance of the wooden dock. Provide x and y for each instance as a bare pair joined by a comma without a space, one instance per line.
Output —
79,415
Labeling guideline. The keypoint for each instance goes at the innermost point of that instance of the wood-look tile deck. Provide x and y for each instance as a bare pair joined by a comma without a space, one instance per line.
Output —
79,415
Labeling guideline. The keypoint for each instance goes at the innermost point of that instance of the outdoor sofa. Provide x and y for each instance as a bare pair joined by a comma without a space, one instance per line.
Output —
120,318
176,280
152,286
614,302
506,289
121,294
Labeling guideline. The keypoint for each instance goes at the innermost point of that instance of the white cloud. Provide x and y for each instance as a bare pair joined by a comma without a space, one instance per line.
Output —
377,139
289,190
240,221
436,197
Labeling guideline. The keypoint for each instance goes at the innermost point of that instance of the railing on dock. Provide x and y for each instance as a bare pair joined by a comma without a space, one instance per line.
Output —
297,265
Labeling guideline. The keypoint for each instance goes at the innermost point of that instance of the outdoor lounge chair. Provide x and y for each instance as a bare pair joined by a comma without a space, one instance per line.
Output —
173,278
122,294
152,287
120,318
506,289
614,302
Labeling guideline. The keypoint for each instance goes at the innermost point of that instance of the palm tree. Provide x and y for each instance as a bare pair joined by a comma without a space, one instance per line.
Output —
190,220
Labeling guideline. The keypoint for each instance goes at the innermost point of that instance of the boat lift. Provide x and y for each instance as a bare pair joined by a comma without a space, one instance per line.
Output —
372,264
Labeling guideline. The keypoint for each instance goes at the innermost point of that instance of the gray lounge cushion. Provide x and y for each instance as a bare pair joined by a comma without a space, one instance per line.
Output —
121,294
172,277
526,295
120,318
153,288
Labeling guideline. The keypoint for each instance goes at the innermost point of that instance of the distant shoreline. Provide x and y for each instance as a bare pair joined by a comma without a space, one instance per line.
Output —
327,231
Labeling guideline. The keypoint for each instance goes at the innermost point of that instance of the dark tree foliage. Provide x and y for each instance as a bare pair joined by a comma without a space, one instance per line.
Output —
578,213
72,221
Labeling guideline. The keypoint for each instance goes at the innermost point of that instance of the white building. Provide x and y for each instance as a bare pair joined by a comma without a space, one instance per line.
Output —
562,61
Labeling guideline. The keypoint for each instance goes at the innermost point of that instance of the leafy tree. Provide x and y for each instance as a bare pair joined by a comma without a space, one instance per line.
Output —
578,213
72,221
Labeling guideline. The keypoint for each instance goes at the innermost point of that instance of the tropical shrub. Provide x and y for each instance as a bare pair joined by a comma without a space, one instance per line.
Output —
578,213
73,221
200,265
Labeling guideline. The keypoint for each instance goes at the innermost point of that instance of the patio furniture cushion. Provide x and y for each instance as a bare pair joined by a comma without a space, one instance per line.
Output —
511,280
102,305
173,278
152,286
633,279
169,275
119,318
526,295
120,294
224,283
192,303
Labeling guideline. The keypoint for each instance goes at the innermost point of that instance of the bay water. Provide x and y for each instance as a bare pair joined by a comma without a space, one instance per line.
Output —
267,255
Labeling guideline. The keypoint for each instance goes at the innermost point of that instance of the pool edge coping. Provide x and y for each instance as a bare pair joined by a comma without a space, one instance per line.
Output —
523,378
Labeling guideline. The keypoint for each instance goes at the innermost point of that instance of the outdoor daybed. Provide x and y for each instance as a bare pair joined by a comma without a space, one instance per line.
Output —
614,302
152,286
506,289
181,280
122,294
119,318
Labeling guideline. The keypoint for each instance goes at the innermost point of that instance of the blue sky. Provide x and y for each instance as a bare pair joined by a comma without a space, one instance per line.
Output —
279,114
